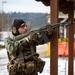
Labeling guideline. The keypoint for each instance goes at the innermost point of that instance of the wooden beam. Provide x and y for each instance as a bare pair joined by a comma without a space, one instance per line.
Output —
71,39
54,39
69,0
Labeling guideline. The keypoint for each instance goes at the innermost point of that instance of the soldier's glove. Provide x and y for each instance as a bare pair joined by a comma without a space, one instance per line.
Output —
33,37
47,29
29,39
49,32
23,44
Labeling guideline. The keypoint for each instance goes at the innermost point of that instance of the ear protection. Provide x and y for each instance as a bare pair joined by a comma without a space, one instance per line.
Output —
15,25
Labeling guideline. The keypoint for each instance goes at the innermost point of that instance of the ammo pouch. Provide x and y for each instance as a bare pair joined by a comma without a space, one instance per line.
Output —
12,67
26,68
37,62
40,65
29,67
20,67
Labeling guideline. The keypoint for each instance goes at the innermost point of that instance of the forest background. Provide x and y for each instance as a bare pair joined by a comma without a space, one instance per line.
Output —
33,20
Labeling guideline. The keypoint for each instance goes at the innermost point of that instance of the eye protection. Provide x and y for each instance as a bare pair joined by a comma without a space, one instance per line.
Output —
23,25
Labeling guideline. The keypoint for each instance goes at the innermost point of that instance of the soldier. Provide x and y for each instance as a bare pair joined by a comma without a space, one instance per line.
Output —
23,59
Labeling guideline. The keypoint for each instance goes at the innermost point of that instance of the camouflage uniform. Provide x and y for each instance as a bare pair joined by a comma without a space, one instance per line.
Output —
23,59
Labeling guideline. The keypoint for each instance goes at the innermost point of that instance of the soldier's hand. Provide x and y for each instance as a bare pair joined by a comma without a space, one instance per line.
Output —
34,36
49,32
23,44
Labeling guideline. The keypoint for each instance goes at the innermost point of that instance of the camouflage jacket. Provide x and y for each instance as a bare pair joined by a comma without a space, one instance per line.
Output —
23,46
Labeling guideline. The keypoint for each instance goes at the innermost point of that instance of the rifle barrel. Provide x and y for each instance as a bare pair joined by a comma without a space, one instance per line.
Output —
57,25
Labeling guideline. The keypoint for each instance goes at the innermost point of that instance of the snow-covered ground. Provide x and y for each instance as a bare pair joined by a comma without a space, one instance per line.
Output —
62,64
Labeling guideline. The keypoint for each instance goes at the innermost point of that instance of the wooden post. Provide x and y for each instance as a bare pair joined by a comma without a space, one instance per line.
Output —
71,38
54,39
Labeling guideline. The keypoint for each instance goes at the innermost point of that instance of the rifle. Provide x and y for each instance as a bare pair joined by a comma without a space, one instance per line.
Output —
42,29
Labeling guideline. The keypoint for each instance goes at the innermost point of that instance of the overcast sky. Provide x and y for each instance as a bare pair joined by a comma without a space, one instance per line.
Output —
23,6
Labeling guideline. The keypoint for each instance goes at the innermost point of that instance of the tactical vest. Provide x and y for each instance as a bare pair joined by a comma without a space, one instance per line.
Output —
25,61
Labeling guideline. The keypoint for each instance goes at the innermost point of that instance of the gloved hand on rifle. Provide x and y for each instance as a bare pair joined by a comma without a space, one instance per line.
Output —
33,37
30,38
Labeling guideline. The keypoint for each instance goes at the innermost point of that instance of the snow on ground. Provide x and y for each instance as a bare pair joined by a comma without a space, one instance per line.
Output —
3,62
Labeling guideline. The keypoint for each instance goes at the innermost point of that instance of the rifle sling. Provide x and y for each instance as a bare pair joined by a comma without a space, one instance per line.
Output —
32,50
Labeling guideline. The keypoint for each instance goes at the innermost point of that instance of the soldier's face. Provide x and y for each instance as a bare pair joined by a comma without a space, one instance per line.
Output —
23,29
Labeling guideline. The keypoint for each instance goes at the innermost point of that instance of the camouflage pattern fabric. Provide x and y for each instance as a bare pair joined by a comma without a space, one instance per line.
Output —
29,66
23,57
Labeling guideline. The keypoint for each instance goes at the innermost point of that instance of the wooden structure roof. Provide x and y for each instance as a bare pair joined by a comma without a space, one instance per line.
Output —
65,6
